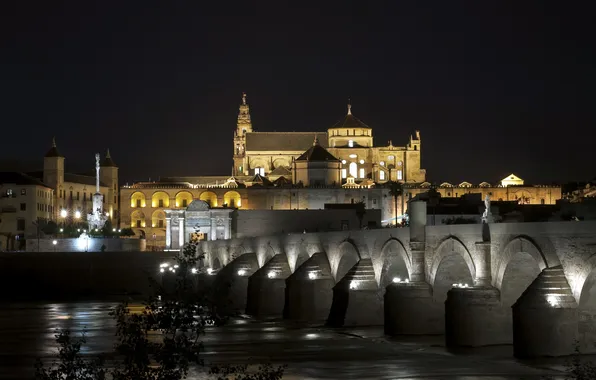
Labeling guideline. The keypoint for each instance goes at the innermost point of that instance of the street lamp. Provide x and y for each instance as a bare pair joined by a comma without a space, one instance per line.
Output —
63,213
77,214
54,242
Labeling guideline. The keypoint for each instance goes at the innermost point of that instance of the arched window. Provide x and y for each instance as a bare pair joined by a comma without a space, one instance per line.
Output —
382,175
260,171
344,173
353,169
400,175
362,174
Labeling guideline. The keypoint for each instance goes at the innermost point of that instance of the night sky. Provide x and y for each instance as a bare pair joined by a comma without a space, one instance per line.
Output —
494,86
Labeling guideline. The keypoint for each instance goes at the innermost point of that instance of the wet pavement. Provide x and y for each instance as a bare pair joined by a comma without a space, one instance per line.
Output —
314,352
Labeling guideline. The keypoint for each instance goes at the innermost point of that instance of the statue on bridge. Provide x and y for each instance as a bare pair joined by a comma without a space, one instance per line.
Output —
487,216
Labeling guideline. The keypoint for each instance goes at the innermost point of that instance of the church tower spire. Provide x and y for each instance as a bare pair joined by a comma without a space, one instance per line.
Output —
244,124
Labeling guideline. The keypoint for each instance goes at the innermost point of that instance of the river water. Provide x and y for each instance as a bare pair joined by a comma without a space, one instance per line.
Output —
315,352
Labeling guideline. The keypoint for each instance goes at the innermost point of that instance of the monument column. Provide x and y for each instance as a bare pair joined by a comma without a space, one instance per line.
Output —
483,267
168,232
181,231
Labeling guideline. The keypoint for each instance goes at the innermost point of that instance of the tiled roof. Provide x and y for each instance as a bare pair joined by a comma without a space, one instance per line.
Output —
350,121
283,141
316,153
281,171
19,178
74,178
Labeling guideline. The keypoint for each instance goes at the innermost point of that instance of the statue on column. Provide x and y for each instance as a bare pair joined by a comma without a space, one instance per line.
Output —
97,219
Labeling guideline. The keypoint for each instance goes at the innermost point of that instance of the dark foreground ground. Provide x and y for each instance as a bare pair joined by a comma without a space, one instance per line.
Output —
27,332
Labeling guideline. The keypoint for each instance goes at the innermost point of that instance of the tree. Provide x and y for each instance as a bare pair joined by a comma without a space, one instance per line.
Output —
396,190
179,314
127,232
51,228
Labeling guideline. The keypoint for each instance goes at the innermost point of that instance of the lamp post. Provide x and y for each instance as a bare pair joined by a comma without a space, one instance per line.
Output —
54,242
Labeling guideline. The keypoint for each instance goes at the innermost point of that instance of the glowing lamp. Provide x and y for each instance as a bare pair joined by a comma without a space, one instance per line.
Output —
271,274
194,270
241,272
54,242
209,270
312,275
63,213
77,214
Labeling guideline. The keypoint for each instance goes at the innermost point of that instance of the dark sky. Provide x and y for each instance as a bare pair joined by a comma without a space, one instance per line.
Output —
494,86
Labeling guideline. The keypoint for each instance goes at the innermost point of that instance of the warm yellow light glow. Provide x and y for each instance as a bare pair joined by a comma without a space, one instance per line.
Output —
183,199
137,199
160,199
209,197
232,199
63,213
77,214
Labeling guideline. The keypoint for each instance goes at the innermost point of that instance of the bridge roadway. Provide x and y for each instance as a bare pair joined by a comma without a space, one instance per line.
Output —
526,284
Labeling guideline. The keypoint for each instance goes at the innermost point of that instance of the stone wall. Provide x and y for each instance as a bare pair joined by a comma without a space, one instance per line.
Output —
68,275
82,245
250,223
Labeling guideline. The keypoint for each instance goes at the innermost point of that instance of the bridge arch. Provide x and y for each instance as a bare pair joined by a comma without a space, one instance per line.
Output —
297,255
587,307
523,249
349,256
394,262
452,264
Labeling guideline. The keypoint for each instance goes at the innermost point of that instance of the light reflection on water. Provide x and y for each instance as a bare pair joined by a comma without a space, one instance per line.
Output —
27,331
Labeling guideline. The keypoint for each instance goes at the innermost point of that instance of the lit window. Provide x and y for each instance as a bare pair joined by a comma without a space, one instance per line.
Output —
344,173
353,155
240,169
382,175
399,163
382,163
361,172
399,175
260,171
351,143
343,162
361,162
353,169
390,157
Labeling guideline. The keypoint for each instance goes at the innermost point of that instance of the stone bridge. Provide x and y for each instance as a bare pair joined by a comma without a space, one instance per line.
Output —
530,284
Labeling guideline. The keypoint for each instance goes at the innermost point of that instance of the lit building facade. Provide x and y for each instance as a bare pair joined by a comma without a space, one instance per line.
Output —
271,154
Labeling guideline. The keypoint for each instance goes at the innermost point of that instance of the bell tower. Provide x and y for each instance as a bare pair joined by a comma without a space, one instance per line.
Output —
243,126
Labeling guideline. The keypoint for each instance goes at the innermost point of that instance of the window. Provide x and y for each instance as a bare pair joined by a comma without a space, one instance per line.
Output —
21,224
399,175
361,162
160,222
361,172
71,194
344,173
260,171
23,206
138,203
139,223
78,196
382,175
184,203
9,193
240,169
23,191
350,143
382,163
542,201
160,203
115,199
353,169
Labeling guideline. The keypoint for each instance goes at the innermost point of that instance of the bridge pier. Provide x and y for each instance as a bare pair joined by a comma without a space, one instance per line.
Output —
230,286
267,288
475,317
411,310
309,290
357,300
545,317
